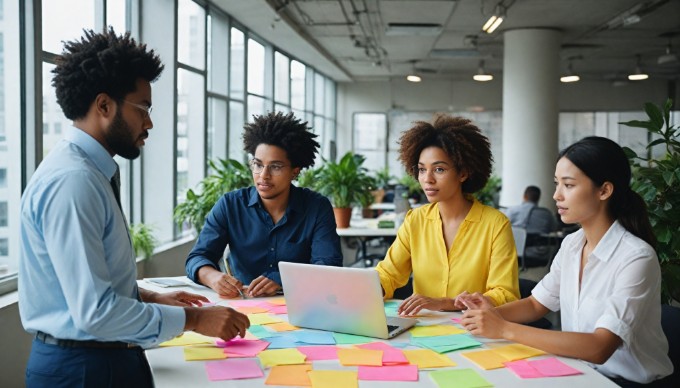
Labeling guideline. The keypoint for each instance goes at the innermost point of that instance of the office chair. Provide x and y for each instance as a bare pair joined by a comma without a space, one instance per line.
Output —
520,235
525,287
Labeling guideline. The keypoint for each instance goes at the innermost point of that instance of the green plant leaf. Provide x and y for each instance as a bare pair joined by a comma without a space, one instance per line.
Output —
641,124
630,154
655,115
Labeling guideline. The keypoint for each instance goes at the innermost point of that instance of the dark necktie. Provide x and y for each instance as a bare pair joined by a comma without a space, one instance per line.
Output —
115,185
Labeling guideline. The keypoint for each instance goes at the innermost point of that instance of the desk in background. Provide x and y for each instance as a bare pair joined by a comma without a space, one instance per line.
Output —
171,370
364,230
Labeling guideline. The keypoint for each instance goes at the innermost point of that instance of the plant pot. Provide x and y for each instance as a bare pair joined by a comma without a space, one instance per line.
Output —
342,217
367,212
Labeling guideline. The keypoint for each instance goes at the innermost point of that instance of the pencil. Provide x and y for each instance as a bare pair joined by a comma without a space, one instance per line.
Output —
228,270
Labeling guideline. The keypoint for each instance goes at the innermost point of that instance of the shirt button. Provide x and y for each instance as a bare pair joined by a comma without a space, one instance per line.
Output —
271,265
271,249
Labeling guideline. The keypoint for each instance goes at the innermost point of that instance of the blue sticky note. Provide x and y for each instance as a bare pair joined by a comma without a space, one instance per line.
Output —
314,337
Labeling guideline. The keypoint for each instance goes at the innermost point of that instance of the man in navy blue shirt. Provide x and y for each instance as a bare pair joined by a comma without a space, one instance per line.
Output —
270,222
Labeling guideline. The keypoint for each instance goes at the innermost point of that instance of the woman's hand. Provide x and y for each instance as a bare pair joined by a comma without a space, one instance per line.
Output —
486,323
414,303
475,301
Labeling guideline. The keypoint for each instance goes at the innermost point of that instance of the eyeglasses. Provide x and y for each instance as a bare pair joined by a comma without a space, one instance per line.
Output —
422,171
275,169
147,109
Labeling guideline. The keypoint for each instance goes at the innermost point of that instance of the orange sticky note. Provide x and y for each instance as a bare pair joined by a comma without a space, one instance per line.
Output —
426,358
282,326
516,352
289,375
251,310
486,359
334,379
277,301
350,357
198,353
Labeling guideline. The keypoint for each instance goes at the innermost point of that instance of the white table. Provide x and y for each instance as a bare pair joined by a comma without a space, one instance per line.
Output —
170,370
365,230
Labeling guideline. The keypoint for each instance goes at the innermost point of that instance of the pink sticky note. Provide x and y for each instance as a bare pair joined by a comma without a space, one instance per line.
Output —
456,320
316,353
247,303
391,355
523,369
239,347
553,367
278,309
389,373
233,369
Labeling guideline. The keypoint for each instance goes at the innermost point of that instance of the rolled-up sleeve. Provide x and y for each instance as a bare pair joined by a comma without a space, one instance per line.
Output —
395,269
211,243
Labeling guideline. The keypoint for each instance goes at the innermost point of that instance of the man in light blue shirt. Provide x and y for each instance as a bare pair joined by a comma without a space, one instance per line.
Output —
77,275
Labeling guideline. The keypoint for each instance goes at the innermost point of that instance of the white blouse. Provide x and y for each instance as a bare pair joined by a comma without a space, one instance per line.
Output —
620,292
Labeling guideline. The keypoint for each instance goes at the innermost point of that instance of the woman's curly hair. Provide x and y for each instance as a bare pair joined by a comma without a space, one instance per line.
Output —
462,141
101,63
283,131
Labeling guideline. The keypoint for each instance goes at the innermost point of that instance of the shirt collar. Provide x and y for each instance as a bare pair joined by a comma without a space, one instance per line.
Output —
610,241
93,149
295,200
474,215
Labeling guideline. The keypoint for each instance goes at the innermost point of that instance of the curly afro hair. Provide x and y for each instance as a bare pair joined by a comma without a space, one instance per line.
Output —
101,63
283,131
462,141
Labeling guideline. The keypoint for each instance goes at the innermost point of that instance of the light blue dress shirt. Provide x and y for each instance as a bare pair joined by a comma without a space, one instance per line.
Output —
77,271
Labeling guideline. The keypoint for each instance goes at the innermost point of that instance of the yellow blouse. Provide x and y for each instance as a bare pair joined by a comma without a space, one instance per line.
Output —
482,258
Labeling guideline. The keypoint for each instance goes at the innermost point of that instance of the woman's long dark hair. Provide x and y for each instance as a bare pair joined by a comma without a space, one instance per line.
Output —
602,160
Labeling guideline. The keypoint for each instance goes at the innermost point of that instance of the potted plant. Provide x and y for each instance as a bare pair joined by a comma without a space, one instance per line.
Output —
368,197
344,182
488,195
307,178
657,180
227,175
143,240
412,186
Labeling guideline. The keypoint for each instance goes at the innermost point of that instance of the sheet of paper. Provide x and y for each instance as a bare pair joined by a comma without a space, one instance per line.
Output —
203,352
426,358
459,378
333,379
553,367
189,338
270,358
350,339
391,355
389,373
435,330
312,337
516,352
485,359
352,357
289,375
317,353
233,369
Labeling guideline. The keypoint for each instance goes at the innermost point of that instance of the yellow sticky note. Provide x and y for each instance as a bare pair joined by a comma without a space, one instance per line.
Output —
251,310
189,338
349,357
282,326
434,330
334,379
486,359
197,353
262,319
426,358
277,301
289,375
516,352
269,358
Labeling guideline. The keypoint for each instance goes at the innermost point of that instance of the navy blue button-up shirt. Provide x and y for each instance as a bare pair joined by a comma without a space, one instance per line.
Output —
305,234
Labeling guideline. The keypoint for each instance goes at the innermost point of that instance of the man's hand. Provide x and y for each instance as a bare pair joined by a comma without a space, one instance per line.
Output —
179,298
262,286
476,301
223,322
224,285
414,303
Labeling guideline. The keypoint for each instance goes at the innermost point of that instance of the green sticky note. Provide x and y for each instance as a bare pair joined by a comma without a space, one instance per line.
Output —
447,343
460,378
260,332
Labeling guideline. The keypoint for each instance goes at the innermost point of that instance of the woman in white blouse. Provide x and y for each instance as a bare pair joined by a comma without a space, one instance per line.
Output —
605,279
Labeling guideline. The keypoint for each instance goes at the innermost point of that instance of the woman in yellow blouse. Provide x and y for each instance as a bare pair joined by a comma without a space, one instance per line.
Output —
454,245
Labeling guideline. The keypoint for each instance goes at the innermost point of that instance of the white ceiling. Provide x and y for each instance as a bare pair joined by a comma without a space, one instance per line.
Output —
348,39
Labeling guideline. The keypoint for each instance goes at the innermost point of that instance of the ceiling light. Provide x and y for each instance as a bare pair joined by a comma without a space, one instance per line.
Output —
570,77
495,20
638,75
413,78
669,57
482,76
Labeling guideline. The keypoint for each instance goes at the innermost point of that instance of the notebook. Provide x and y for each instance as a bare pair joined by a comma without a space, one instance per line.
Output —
344,300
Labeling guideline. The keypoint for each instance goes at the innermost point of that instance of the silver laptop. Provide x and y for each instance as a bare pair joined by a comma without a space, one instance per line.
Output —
345,300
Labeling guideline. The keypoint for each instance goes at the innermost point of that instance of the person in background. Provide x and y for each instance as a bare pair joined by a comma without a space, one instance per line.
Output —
270,222
78,292
537,221
454,245
605,279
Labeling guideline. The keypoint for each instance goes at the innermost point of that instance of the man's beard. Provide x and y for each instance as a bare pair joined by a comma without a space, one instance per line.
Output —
120,139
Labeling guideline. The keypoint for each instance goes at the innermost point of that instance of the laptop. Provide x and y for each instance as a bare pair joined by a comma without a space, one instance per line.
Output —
339,299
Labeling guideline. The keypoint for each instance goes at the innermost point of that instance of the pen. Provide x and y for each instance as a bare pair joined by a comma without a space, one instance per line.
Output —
228,270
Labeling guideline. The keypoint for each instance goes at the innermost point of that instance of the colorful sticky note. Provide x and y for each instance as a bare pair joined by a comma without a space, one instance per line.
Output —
242,347
203,352
333,379
238,303
317,353
277,301
282,326
251,309
278,310
391,355
389,373
447,343
314,337
515,352
434,330
284,341
233,369
426,358
350,357
486,359
262,319
523,369
459,378
553,367
189,338
270,358
456,320
289,375
260,332
351,339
